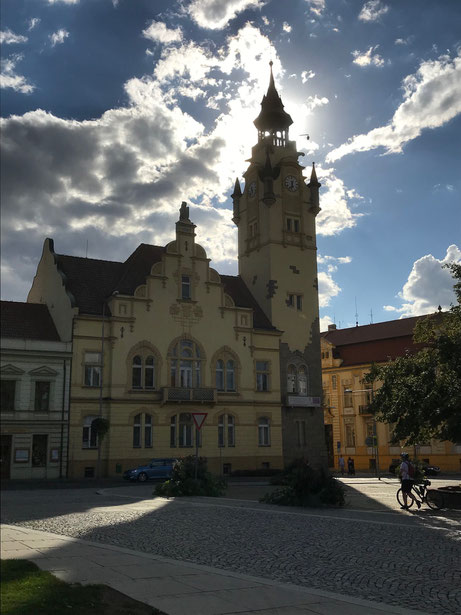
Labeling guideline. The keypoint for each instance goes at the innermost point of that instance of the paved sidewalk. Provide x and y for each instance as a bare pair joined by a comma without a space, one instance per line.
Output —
177,588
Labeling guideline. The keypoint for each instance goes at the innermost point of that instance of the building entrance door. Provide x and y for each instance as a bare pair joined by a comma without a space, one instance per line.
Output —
5,456
329,445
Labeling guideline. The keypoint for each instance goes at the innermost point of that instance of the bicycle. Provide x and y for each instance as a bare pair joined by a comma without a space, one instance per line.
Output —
422,495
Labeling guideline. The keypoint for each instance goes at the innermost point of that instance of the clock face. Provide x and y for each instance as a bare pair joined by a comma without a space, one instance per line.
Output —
252,189
291,183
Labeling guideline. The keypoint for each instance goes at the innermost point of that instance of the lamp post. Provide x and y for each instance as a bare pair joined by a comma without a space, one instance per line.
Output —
375,432
101,375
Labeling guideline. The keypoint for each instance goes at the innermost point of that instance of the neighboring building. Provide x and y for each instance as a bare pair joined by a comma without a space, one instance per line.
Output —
35,377
162,335
347,355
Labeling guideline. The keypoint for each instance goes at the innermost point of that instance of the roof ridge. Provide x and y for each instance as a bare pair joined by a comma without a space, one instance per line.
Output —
85,258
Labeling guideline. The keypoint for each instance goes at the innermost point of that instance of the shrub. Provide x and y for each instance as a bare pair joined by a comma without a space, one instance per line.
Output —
303,485
183,481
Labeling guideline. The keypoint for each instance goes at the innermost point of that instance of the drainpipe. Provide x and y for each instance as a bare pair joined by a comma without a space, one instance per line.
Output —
62,415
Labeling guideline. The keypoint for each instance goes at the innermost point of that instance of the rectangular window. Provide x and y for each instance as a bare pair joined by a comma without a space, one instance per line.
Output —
185,287
262,376
147,431
290,300
42,396
299,302
92,369
292,225
230,430
350,435
253,229
348,398
333,382
173,432
221,432
8,395
39,450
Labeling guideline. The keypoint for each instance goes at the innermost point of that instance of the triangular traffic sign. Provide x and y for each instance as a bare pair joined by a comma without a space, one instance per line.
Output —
199,418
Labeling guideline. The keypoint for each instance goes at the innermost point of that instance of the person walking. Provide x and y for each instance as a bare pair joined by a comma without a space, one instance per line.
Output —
342,464
350,466
407,480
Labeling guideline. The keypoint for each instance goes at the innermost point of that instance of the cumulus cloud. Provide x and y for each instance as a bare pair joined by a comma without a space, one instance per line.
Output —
58,37
158,32
316,6
431,98
216,14
324,322
327,288
428,286
306,75
9,38
315,101
286,27
33,23
373,10
10,79
367,58
336,214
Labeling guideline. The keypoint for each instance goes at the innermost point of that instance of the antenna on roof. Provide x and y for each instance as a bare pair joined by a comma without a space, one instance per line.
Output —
86,253
371,316
356,314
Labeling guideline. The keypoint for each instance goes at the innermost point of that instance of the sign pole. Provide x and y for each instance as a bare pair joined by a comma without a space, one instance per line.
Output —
199,419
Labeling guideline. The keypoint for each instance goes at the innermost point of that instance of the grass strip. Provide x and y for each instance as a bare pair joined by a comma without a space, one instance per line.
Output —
27,590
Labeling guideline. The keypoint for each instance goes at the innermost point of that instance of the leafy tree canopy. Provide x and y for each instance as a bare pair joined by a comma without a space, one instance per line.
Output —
421,393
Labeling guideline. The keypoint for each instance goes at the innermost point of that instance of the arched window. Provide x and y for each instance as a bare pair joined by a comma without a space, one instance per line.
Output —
142,420
136,381
89,435
297,379
226,420
230,375
183,431
302,380
264,432
185,365
220,375
291,379
143,372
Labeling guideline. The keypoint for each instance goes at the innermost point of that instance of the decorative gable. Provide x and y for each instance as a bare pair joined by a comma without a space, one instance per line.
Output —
11,370
43,371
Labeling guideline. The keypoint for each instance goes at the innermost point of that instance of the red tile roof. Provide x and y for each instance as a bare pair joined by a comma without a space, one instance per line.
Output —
27,321
368,333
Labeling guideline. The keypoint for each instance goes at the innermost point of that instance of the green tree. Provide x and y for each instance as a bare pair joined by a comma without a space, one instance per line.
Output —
421,393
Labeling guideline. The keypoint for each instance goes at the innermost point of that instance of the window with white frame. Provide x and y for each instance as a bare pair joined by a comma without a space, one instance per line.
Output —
186,287
143,372
262,375
226,427
297,379
225,375
142,424
93,369
264,432
42,395
183,431
89,434
8,395
185,365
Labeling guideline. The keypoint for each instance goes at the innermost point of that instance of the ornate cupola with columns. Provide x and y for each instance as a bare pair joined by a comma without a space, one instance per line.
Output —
275,215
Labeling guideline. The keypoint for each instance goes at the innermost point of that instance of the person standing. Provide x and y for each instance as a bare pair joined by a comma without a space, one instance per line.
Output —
342,464
407,481
350,466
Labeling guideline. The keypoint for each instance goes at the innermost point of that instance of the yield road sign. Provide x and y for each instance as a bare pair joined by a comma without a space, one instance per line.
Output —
199,418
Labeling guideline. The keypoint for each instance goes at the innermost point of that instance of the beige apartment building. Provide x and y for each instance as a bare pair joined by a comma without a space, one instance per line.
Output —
161,335
347,355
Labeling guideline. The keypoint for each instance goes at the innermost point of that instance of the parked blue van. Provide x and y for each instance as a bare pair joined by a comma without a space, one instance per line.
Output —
155,468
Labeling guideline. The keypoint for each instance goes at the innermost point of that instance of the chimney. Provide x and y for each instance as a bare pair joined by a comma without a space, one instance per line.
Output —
331,327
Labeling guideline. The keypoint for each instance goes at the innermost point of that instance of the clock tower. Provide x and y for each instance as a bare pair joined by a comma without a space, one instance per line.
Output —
275,215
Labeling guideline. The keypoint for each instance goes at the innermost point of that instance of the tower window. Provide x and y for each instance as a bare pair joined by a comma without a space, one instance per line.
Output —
294,301
292,225
185,287
253,229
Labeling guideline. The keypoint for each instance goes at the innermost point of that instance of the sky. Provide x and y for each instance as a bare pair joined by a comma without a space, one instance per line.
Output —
116,111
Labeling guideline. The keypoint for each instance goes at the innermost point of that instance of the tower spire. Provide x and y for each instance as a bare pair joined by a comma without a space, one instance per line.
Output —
273,121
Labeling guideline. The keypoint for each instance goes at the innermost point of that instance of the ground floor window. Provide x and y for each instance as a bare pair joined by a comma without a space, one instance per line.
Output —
142,423
183,430
226,427
89,435
264,432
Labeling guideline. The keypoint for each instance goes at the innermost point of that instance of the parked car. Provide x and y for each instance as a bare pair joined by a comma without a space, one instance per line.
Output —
155,468
429,470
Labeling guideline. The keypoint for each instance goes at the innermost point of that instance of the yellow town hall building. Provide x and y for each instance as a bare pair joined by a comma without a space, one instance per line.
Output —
161,335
